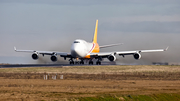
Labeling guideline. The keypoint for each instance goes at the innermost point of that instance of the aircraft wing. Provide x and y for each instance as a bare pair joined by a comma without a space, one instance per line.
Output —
62,54
105,54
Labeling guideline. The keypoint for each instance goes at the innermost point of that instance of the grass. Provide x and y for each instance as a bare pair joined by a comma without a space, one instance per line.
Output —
92,83
93,69
154,97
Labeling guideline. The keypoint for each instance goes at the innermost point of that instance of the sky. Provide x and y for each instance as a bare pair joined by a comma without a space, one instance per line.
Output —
52,25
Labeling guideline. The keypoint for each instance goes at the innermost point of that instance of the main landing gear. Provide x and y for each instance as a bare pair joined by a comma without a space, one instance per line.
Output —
71,62
76,62
90,62
98,62
82,62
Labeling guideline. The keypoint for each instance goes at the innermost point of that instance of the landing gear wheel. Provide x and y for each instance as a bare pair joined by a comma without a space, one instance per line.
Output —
71,62
90,62
76,62
82,62
98,63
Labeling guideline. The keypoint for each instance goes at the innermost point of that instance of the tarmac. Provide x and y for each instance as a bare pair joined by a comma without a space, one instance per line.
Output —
42,65
32,65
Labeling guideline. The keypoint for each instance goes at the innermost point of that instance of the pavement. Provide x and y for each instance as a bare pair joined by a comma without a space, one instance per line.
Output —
31,65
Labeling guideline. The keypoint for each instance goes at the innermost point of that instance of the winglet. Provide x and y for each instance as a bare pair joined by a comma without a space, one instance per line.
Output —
15,48
95,33
166,48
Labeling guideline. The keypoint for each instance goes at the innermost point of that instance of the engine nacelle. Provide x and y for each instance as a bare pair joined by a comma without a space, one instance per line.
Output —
35,56
53,58
137,56
112,58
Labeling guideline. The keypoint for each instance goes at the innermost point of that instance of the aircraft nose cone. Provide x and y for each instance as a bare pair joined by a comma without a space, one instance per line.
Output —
77,51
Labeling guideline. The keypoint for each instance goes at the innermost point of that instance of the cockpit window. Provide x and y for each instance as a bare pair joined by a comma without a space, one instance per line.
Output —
76,42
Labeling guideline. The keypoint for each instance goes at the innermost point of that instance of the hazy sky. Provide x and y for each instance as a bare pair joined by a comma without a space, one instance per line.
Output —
55,24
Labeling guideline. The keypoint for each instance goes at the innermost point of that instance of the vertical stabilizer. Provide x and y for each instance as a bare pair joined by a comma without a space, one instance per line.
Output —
95,32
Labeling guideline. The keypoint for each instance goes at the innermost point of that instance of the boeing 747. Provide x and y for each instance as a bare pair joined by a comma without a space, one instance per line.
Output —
82,50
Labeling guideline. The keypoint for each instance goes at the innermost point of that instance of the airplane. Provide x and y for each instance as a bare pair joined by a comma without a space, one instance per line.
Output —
82,50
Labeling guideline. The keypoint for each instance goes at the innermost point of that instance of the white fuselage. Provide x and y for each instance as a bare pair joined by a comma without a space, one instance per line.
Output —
81,48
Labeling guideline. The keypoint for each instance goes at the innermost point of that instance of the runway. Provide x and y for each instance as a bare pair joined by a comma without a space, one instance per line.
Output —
32,65
48,65
40,65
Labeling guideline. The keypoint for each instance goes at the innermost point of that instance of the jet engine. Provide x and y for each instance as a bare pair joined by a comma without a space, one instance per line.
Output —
53,58
112,58
137,56
35,56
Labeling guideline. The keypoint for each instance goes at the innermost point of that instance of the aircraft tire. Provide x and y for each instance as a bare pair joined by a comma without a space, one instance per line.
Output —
76,62
82,62
98,63
90,62
71,62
